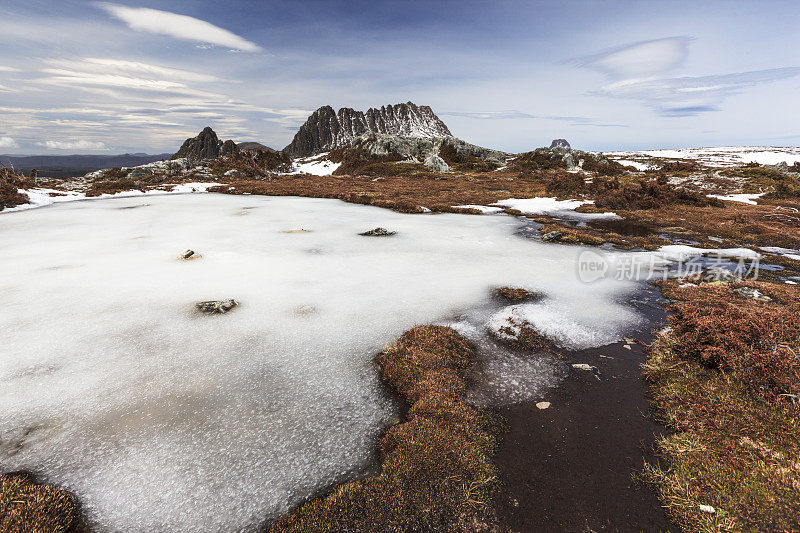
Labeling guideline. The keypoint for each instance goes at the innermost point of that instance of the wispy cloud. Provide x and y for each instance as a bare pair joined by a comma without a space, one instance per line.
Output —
74,145
177,26
644,58
514,114
689,96
8,69
8,142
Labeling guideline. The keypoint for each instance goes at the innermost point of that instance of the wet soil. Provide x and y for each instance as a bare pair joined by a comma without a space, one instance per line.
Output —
570,467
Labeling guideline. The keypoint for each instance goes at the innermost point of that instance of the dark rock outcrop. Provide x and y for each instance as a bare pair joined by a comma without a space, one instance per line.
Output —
560,144
327,129
205,146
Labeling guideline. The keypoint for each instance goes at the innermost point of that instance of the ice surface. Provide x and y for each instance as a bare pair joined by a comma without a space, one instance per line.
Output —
160,418
682,252
43,197
553,207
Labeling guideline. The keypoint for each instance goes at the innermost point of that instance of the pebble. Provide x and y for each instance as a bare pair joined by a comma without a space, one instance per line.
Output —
543,405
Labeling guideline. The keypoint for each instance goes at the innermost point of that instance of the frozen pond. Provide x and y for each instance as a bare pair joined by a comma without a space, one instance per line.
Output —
162,419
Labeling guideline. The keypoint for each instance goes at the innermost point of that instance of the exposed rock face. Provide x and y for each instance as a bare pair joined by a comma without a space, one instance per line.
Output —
205,146
560,144
326,129
421,149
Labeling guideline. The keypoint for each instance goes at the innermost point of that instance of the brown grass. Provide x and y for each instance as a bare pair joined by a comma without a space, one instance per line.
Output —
437,472
759,341
517,294
404,193
30,507
716,380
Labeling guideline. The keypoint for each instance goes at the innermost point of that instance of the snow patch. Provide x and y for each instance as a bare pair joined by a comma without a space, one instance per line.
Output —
316,165
745,198
554,207
486,210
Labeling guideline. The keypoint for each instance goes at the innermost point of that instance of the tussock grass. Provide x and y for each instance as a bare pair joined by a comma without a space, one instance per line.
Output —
30,507
437,470
717,380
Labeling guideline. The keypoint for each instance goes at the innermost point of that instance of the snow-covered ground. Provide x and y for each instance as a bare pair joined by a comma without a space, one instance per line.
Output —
317,165
159,418
723,156
45,197
745,198
553,207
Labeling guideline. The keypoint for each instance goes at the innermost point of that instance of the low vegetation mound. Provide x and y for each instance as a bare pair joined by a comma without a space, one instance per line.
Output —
725,380
437,471
464,162
253,163
757,340
27,506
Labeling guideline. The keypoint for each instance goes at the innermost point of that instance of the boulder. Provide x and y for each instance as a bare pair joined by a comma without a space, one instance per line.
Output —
378,232
437,164
216,307
560,144
552,236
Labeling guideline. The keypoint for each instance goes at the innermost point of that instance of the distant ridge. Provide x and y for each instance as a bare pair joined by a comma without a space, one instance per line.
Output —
327,129
59,166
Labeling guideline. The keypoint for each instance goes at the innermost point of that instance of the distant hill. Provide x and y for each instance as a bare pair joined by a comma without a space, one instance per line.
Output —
58,166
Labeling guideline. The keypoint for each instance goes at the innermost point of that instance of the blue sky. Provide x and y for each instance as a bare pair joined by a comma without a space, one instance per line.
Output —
110,77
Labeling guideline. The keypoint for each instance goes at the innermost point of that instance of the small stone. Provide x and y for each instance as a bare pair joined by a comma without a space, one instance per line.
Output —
627,346
707,509
543,405
187,254
715,239
753,294
583,366
378,232
216,307
552,236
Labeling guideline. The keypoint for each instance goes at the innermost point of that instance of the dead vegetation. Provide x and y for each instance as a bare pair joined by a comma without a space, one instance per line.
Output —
30,507
517,294
725,379
437,470
10,183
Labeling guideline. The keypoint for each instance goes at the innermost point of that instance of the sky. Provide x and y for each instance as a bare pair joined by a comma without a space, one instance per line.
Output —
141,76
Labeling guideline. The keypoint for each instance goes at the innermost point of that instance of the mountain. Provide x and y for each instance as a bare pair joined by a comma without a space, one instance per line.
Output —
59,166
326,129
205,146
252,146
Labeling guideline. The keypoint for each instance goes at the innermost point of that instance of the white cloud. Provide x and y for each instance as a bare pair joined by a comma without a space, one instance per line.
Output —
178,26
8,69
692,95
8,142
74,145
640,59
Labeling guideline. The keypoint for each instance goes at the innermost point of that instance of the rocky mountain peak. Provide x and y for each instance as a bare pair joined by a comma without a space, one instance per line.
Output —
205,146
327,129
560,144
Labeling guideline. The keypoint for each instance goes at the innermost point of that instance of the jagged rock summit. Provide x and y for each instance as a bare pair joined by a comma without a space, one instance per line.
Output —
560,144
205,146
327,129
